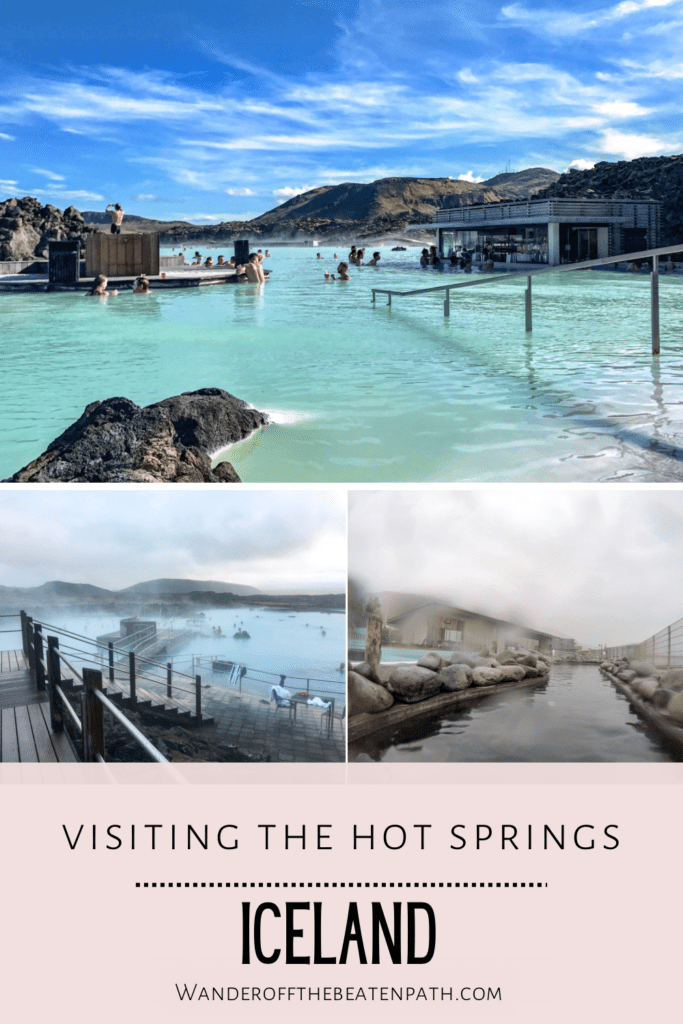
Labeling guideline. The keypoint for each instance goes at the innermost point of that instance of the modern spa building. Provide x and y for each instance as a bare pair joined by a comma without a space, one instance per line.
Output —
550,231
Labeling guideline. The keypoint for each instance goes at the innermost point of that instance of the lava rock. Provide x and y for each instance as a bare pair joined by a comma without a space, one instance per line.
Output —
167,442
27,227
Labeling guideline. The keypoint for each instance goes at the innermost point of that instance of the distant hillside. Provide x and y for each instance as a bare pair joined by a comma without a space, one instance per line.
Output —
157,588
353,210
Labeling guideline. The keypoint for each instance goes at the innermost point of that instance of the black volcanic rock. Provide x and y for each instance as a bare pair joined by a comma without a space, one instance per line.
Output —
26,228
657,177
168,442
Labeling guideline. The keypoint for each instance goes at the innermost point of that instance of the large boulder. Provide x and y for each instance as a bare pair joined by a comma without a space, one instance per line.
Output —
410,683
486,676
673,680
506,658
661,697
432,661
366,697
364,669
627,675
643,668
646,686
458,658
484,661
675,706
527,659
172,441
513,673
455,677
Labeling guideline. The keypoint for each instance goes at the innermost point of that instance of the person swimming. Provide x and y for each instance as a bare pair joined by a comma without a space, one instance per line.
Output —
142,286
343,271
376,256
100,287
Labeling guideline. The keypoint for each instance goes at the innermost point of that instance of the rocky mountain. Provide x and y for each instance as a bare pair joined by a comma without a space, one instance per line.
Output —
350,210
26,227
153,588
656,177
354,210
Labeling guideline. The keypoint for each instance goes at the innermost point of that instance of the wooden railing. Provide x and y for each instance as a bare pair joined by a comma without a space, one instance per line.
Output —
86,730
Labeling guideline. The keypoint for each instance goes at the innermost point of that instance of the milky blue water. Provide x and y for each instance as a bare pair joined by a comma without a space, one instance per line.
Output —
301,645
577,716
372,394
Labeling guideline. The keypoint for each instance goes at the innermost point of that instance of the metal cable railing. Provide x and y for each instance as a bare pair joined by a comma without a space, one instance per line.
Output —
664,649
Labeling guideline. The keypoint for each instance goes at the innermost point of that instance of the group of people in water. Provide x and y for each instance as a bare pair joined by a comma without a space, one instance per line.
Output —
460,258
100,283
355,257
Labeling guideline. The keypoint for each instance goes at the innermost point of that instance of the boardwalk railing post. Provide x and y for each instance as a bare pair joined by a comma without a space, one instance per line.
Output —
169,679
373,296
447,303
110,648
94,715
527,305
131,676
389,299
39,655
654,311
54,677
30,654
198,696
24,633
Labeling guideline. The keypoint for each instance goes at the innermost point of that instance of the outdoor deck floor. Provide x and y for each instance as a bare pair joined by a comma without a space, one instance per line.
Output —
256,726
25,733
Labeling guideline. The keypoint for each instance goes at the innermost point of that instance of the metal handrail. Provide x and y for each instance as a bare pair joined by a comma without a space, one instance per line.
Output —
604,261
561,268
140,738
70,711
148,747
104,647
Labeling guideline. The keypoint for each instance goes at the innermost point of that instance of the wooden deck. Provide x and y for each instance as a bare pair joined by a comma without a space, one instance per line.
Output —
25,733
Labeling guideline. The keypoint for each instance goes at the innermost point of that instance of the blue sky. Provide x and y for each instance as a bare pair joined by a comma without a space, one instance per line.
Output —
220,111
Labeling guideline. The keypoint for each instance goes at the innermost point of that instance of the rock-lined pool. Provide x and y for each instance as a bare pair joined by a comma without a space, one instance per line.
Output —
577,716
372,394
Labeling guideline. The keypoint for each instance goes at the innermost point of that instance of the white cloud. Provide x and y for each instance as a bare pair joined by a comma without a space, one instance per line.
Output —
144,197
6,183
240,192
8,138
620,108
557,22
466,75
580,165
72,194
469,177
289,191
215,218
48,174
631,146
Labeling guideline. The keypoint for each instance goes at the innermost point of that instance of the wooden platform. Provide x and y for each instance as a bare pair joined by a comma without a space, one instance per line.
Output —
26,736
16,685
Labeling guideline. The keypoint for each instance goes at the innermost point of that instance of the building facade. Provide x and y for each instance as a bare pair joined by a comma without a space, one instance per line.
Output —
549,231
445,626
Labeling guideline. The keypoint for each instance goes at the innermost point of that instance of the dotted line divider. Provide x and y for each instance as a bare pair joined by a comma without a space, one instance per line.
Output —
341,885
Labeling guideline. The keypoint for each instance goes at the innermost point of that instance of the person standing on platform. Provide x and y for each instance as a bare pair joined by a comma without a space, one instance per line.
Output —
116,217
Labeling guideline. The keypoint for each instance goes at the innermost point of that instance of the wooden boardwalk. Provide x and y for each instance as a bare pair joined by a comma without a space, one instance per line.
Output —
25,733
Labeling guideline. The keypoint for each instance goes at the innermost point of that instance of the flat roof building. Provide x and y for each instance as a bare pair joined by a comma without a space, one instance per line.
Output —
550,231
